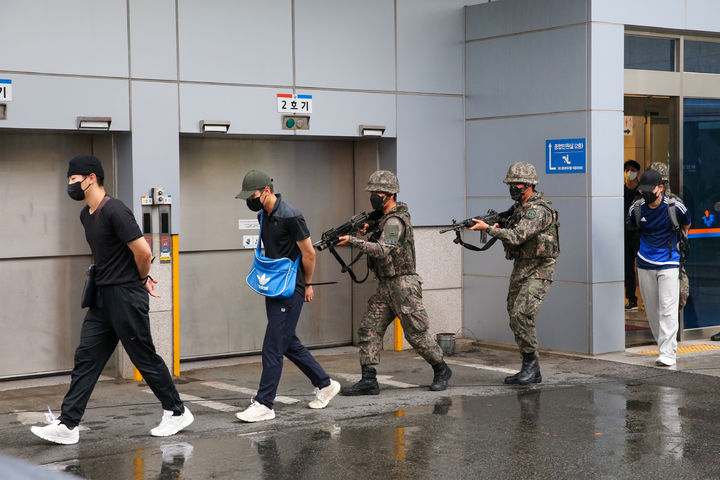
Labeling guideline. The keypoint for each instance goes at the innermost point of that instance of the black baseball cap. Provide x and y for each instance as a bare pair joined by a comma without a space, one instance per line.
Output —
85,165
631,164
649,180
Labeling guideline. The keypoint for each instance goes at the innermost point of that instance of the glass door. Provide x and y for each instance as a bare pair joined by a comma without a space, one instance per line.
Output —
701,194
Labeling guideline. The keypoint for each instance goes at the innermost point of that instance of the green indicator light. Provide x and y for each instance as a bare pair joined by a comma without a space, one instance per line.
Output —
290,123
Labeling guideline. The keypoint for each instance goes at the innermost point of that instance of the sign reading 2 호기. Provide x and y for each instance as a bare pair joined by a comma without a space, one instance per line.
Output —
293,103
565,156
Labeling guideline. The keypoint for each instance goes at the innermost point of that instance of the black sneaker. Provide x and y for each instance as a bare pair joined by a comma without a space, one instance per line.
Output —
631,306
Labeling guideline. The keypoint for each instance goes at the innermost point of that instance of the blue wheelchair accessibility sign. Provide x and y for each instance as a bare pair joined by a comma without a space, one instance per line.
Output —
565,156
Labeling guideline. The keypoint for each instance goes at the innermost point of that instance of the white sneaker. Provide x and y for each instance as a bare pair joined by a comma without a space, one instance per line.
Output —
665,362
324,395
172,424
56,432
256,412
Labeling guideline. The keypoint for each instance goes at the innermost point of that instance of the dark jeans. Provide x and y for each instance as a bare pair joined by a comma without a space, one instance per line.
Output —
120,313
280,339
632,243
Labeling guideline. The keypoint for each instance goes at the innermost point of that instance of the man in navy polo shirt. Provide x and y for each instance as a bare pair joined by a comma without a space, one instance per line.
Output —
658,261
284,235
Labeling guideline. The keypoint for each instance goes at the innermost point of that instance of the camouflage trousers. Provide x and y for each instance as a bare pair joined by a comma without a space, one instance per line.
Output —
397,297
525,296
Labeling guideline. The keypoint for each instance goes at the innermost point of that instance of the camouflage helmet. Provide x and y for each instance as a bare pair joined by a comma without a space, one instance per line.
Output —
662,169
383,181
521,172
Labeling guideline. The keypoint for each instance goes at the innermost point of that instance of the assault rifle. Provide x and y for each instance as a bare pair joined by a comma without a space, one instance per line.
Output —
331,237
491,218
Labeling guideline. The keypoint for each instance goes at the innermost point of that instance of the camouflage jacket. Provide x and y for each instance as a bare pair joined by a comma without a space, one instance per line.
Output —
533,230
393,253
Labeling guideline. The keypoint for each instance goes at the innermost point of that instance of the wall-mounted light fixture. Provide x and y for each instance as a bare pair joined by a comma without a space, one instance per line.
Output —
214,126
93,123
372,130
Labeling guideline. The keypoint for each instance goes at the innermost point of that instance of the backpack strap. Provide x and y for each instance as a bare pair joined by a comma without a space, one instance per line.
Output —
682,239
636,208
672,213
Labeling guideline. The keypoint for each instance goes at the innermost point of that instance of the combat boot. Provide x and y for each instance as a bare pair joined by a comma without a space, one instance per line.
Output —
366,386
530,372
442,375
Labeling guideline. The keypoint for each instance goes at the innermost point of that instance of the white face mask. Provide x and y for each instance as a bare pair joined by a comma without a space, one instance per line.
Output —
632,175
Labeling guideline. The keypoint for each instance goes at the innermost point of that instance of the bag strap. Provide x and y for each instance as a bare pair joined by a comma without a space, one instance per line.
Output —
259,251
260,234
682,242
672,213
97,211
637,211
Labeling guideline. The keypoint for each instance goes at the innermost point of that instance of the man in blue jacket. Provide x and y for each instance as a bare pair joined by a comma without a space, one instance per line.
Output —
658,260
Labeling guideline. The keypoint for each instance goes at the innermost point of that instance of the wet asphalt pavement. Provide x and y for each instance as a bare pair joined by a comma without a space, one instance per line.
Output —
588,419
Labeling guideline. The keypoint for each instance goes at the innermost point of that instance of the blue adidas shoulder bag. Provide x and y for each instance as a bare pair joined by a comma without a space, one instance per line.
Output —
272,277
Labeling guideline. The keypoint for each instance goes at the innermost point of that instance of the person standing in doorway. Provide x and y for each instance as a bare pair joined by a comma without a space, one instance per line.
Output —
119,311
632,237
531,240
391,256
284,235
658,261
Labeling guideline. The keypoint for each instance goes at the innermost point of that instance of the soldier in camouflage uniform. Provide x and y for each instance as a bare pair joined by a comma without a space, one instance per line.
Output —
392,258
530,238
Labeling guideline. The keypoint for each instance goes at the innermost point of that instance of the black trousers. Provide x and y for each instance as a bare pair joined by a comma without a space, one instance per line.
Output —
280,340
120,313
632,243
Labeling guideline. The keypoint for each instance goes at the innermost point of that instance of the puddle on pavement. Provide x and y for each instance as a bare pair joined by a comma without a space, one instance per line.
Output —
607,430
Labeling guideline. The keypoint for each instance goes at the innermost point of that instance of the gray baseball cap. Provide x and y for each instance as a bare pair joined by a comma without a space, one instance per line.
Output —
254,180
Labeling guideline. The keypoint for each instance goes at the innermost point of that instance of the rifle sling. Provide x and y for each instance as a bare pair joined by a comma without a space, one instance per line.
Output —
474,248
345,267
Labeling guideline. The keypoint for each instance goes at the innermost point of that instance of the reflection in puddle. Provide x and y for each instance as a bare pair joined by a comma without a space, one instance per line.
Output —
612,430
173,459
174,456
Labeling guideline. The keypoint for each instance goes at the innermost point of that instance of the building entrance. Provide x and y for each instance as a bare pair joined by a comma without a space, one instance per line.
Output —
650,135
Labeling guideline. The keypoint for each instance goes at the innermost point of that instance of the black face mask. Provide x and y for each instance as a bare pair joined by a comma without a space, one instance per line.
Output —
649,197
254,204
76,191
377,201
516,193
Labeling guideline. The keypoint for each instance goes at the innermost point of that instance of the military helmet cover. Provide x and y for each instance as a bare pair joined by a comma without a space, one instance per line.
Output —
383,181
662,169
521,172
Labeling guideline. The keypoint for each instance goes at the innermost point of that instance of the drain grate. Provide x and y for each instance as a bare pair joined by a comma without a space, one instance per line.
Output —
685,349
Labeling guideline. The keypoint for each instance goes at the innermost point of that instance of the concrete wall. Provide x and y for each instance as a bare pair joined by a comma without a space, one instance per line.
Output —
563,80
164,66
159,68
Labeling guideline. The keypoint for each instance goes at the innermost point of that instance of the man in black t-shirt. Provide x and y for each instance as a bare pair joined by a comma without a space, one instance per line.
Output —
119,309
284,235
